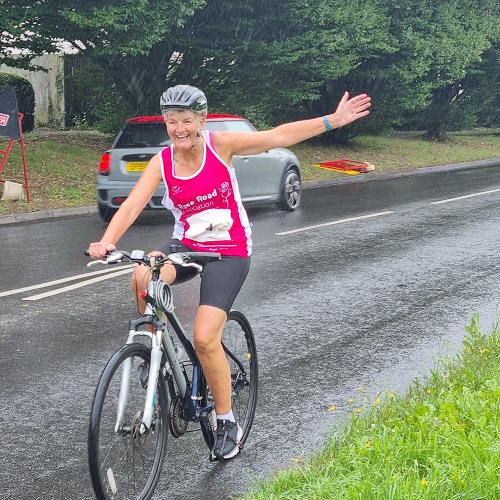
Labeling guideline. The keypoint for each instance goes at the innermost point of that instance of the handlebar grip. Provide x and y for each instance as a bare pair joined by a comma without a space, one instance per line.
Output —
206,256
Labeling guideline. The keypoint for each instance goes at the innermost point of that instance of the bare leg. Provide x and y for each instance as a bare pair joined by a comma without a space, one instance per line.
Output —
208,326
141,277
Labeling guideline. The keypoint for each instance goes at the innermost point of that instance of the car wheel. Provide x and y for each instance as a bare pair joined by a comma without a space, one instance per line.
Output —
291,190
106,212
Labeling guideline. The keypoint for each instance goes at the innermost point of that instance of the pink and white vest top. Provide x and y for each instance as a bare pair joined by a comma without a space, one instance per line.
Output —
209,215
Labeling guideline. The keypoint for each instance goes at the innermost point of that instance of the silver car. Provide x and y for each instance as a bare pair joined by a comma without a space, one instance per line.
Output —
270,177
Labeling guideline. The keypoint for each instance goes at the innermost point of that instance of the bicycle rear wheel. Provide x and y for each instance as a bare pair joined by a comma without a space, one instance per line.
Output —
123,463
241,352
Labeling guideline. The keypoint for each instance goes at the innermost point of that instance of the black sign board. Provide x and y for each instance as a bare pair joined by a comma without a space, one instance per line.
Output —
9,114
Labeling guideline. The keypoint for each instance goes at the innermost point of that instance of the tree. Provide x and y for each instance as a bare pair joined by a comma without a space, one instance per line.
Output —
484,83
118,35
270,60
277,61
462,32
13,40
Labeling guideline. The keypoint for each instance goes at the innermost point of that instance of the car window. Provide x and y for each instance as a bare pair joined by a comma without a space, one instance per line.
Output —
144,135
141,135
238,125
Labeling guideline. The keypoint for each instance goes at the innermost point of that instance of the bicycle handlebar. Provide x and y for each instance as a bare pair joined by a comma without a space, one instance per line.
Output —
184,259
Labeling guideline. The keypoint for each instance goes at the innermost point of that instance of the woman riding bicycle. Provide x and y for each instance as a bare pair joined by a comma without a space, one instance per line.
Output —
202,193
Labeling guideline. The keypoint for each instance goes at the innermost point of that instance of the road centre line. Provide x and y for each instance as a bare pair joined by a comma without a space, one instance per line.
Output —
340,221
62,280
125,269
80,284
465,196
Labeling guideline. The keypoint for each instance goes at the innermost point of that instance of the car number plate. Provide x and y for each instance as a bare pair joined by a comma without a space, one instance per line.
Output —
136,166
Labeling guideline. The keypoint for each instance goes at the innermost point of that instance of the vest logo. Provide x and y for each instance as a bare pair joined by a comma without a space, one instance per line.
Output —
199,199
206,197
3,119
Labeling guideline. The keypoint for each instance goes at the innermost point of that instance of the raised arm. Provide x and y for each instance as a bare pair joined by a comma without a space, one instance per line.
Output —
247,143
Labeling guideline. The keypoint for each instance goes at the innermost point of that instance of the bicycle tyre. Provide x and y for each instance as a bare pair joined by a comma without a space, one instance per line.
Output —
125,464
238,339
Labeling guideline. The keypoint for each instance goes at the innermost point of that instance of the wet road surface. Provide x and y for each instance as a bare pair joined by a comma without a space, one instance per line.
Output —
364,286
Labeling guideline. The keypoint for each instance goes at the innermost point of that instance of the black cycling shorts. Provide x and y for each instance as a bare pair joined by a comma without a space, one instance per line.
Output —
221,280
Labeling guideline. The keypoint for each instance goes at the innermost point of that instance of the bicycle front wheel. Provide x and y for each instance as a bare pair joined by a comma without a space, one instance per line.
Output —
125,464
241,352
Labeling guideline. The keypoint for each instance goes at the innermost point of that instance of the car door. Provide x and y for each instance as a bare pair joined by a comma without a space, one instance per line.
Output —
258,175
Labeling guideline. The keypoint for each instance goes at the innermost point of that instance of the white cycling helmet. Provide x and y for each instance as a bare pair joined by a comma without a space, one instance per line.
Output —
184,97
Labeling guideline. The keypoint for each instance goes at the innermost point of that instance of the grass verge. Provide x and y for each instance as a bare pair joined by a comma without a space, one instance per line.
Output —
441,441
400,151
62,166
62,170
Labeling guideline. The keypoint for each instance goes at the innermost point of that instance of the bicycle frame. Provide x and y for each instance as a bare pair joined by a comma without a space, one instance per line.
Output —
160,390
159,337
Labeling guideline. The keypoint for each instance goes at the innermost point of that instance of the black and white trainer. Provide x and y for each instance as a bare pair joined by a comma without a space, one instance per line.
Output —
227,440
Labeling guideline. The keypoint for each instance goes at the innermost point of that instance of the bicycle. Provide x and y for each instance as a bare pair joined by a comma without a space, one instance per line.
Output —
131,414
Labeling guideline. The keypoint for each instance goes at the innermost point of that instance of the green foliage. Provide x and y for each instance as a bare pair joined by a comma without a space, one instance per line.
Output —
462,32
424,62
11,15
119,35
105,110
439,442
436,44
483,86
25,97
274,59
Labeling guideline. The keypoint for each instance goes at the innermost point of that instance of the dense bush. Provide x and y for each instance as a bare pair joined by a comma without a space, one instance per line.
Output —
25,97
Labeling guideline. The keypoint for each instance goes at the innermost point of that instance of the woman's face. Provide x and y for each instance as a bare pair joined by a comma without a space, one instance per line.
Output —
183,127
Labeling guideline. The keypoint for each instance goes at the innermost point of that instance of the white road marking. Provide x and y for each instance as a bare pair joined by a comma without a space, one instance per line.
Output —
57,282
109,273
79,285
340,221
465,196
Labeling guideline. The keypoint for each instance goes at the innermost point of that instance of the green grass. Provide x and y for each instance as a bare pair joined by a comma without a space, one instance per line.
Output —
440,441
400,151
62,170
62,166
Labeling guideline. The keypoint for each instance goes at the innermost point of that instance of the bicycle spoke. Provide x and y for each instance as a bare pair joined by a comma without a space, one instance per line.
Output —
241,352
126,464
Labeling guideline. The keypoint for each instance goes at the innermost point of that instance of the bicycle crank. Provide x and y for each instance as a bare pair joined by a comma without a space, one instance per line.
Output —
178,425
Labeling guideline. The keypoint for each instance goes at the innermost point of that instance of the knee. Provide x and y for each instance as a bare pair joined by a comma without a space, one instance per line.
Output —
206,341
134,283
137,281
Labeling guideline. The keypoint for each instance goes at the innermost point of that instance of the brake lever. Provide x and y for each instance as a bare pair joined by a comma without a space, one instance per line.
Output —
195,265
178,259
112,258
95,262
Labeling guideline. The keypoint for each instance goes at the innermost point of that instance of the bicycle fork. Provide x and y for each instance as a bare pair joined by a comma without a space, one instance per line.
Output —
154,370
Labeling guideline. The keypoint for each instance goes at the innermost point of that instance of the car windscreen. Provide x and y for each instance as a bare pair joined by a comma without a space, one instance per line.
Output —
238,125
142,135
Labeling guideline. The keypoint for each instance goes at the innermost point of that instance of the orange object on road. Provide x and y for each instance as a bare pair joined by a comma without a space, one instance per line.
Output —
347,166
